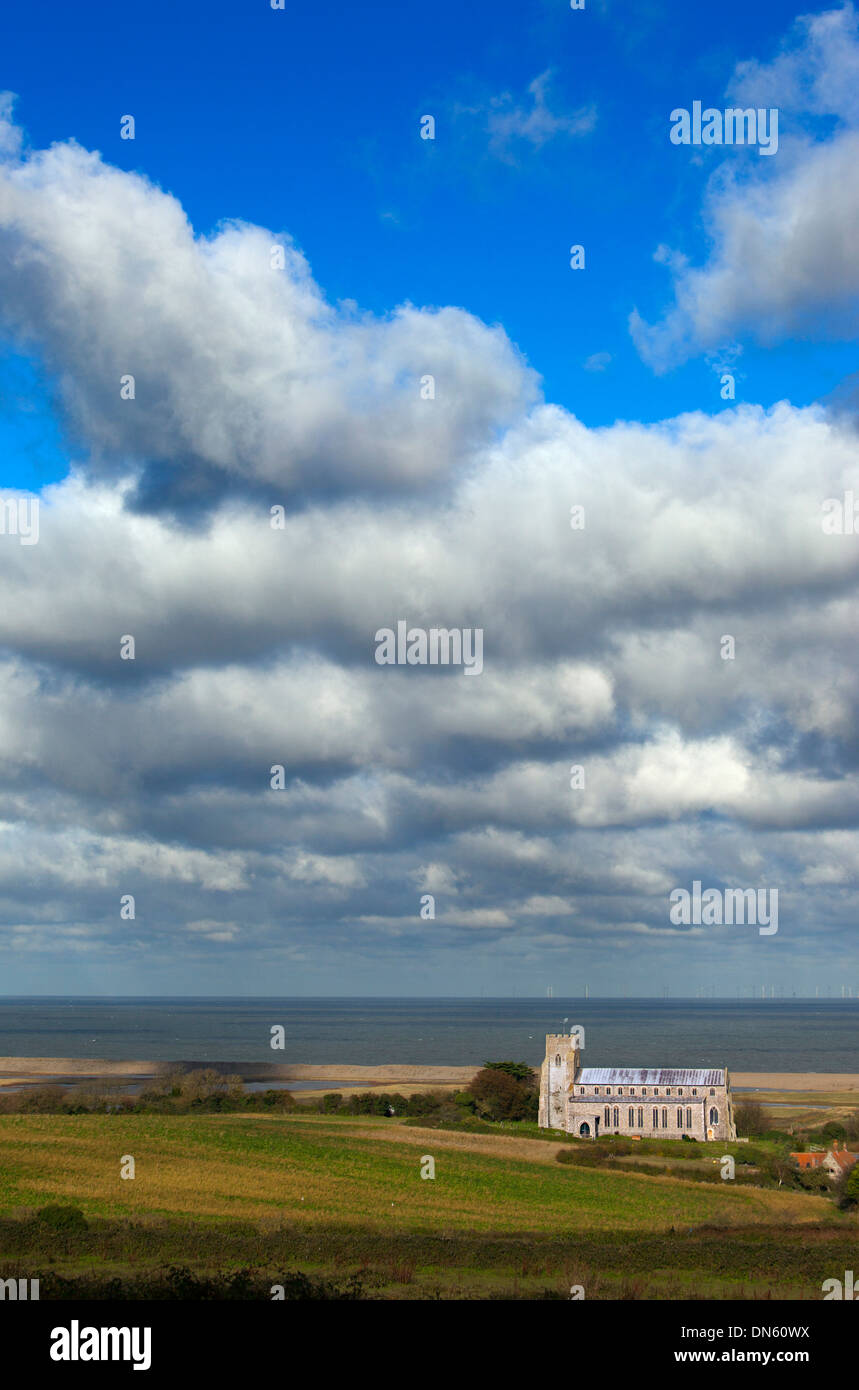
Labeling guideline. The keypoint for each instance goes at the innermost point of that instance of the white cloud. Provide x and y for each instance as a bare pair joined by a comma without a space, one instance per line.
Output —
784,260
535,123
255,646
242,372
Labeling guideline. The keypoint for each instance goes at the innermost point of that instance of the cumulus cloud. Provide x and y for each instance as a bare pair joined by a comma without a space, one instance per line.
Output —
255,645
243,372
783,259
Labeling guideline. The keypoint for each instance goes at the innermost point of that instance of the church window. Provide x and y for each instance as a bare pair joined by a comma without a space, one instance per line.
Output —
714,1115
712,1091
679,1118
581,1090
631,1117
558,1060
607,1115
656,1090
616,1117
688,1117
596,1090
655,1118
608,1090
668,1092
641,1117
694,1090
644,1090
620,1090
664,1118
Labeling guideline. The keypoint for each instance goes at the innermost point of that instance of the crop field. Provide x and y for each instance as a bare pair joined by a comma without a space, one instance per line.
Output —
335,1196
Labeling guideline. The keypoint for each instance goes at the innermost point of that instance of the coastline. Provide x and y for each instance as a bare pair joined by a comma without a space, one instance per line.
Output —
68,1070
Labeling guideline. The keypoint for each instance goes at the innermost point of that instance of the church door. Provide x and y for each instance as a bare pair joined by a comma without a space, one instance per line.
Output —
585,1130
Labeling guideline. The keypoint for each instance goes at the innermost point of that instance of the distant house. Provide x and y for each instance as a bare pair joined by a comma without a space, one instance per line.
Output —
839,1160
805,1161
833,1162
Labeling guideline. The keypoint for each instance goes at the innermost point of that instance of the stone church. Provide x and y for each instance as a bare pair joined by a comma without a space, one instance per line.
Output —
654,1103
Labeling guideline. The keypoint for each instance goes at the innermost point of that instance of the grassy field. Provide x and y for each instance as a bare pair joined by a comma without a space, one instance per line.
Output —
334,1196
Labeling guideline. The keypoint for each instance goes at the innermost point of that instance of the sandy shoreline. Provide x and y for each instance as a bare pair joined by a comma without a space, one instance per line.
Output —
23,1069
18,1070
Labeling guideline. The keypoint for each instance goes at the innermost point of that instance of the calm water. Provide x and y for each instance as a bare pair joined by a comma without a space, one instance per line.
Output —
771,1035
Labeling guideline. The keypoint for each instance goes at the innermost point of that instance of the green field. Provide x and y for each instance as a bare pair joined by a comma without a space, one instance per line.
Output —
337,1196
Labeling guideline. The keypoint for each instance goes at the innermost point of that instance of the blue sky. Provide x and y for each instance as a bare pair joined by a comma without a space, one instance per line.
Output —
307,121
299,385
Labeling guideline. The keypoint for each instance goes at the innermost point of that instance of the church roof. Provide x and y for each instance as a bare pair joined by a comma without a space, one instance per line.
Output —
650,1076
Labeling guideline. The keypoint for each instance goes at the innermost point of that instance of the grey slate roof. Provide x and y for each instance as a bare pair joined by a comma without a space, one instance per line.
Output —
649,1076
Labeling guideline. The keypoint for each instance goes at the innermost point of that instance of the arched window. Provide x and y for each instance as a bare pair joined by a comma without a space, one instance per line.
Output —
679,1118
655,1118
714,1115
557,1059
688,1117
607,1116
664,1118
584,1129
641,1117
712,1090
631,1117
616,1117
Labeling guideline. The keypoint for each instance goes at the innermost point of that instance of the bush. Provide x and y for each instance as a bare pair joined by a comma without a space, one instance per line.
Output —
68,1220
273,1099
424,1103
41,1100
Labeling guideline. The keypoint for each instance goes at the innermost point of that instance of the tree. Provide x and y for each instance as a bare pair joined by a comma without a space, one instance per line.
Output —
751,1118
501,1096
520,1070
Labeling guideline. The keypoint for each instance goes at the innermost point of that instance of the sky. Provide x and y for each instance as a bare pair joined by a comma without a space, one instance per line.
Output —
370,381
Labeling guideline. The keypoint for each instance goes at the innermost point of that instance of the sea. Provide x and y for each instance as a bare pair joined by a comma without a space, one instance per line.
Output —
764,1035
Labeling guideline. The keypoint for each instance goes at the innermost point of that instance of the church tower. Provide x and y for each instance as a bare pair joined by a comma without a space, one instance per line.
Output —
557,1075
